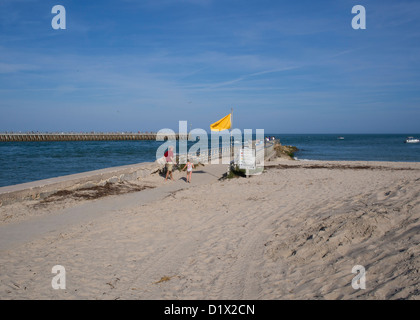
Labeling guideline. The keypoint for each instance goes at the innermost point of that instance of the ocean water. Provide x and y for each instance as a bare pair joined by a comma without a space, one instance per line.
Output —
29,161
354,147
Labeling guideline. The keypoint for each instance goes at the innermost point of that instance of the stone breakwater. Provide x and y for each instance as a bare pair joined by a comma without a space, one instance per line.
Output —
286,152
11,137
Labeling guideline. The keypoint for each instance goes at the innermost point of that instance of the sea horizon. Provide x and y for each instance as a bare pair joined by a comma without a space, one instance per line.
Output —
209,132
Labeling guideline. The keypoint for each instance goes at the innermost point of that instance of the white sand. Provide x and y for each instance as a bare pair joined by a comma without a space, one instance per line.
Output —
290,233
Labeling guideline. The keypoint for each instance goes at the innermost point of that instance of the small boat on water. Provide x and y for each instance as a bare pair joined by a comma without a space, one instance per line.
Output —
411,140
340,138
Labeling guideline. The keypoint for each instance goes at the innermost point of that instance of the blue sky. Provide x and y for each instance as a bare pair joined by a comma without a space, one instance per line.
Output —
284,66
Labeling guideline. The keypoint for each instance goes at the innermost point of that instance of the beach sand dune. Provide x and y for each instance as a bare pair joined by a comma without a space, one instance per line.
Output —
293,232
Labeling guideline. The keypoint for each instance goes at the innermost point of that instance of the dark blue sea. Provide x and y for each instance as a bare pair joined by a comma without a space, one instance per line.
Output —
29,161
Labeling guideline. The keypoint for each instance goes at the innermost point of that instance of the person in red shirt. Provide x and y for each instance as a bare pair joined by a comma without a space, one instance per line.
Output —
169,156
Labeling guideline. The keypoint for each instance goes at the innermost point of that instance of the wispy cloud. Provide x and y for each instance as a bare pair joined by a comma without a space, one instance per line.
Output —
162,59
14,67
246,77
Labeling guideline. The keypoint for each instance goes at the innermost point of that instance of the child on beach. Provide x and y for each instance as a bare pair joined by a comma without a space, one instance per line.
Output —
189,165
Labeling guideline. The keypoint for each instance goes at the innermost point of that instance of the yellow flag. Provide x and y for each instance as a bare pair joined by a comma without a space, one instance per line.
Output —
222,124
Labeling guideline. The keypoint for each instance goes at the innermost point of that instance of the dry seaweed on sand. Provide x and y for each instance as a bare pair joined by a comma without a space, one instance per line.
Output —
95,192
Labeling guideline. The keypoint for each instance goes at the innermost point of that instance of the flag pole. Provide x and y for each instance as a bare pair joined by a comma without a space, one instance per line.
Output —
231,124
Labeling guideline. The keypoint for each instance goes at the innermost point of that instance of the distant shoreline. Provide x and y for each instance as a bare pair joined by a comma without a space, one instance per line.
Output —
32,161
42,188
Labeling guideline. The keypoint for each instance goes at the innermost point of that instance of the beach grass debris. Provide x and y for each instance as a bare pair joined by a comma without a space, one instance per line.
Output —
340,167
95,192
164,279
235,172
113,283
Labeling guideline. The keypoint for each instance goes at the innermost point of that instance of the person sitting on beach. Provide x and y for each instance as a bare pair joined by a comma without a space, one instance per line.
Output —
189,165
169,156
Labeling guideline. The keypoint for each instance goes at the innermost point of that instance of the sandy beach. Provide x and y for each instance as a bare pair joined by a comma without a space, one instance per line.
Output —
293,232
